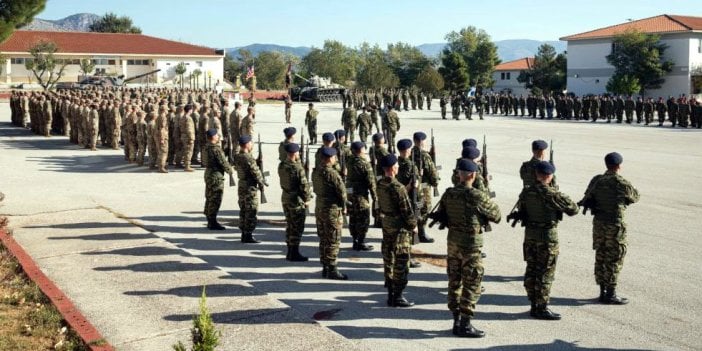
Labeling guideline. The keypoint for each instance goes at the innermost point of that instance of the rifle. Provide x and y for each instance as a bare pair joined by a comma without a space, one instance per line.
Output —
414,197
485,173
342,165
514,215
432,154
550,156
232,182
302,146
259,163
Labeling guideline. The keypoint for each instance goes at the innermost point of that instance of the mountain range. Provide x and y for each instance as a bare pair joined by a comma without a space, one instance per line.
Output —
507,50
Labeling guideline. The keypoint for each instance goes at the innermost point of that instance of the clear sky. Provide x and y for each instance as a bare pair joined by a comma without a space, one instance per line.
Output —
220,23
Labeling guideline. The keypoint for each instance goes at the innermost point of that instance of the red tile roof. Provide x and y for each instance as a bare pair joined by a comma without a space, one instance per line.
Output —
103,43
658,24
521,64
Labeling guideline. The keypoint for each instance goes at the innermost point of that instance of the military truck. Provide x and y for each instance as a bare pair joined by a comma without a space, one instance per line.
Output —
317,88
101,81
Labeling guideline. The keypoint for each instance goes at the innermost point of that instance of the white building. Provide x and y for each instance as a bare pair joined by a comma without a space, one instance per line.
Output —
505,76
589,72
113,54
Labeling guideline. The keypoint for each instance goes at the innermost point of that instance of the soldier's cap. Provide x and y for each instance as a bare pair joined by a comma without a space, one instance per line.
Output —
419,136
388,161
244,139
328,137
340,133
539,145
357,145
289,131
469,142
613,159
377,137
545,167
404,144
328,151
467,166
292,148
470,153
212,132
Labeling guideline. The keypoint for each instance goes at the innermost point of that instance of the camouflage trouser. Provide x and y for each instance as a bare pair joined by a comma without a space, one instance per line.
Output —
541,257
295,224
196,151
426,203
443,112
172,149
609,243
114,139
203,155
186,152
359,217
214,189
248,208
132,148
162,155
396,253
153,153
363,134
329,225
629,115
465,274
93,139
312,131
287,115
141,152
350,130
661,117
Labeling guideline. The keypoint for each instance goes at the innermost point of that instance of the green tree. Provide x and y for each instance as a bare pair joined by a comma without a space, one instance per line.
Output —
270,70
333,60
373,69
623,84
205,337
196,77
478,52
232,68
17,13
548,72
111,23
454,70
429,80
406,61
47,69
180,70
86,66
640,55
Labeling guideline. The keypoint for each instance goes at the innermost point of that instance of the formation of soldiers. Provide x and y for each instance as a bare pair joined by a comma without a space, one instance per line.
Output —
400,98
392,182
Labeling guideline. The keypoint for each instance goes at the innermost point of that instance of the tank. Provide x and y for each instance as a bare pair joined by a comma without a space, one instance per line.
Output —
101,81
317,88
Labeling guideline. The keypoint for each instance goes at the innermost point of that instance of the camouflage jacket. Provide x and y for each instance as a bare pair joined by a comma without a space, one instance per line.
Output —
466,210
348,117
608,195
395,205
217,163
247,171
393,121
528,173
311,116
541,208
360,177
376,154
364,121
293,182
428,170
329,188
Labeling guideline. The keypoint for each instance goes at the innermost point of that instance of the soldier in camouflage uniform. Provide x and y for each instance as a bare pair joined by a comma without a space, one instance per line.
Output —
289,139
214,179
541,207
295,198
361,182
161,139
406,170
93,126
376,153
247,123
465,210
288,109
429,178
364,124
528,169
141,137
348,121
329,209
399,223
311,123
234,126
250,181
393,125
187,137
607,196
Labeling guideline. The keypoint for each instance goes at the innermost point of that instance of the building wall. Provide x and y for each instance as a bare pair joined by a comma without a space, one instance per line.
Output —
589,72
505,82
215,66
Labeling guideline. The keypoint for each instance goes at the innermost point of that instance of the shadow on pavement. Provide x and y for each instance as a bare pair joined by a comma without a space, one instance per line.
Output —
555,345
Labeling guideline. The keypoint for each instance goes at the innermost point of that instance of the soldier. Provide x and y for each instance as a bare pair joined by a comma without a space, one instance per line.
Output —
648,111
639,107
364,124
399,223
141,137
464,210
607,196
288,108
202,127
528,169
541,207
289,139
48,112
93,127
673,111
420,100
150,143
361,181
217,165
295,198
114,125
161,135
187,137
661,108
442,105
429,178
247,123
348,121
311,123
429,96
629,106
327,141
393,124
234,127
250,182
329,209
376,153
619,108
407,171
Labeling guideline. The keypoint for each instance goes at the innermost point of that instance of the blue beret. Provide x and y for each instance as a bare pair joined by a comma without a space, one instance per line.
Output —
357,145
291,148
545,167
539,145
404,144
340,133
388,160
328,151
212,132
419,136
467,166
377,137
470,153
613,158
469,142
328,137
290,131
244,139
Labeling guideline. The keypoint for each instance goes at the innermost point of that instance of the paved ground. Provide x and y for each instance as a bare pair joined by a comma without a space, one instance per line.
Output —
130,248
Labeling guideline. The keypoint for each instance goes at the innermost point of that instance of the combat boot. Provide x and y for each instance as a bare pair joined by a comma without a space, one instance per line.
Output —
188,169
334,274
294,254
398,300
247,238
391,294
359,245
541,311
603,294
466,330
423,238
209,222
414,263
325,270
456,323
215,225
611,297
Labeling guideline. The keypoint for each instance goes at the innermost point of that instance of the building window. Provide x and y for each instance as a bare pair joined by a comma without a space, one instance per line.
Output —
138,62
99,71
615,47
502,75
20,60
199,63
509,74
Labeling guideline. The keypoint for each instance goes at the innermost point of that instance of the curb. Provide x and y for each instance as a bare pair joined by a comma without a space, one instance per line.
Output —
63,304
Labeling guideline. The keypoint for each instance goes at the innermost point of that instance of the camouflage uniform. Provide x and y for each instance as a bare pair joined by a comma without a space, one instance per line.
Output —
202,123
93,125
329,204
364,125
311,123
398,223
141,137
214,179
393,123
361,179
528,173
187,140
296,192
348,121
161,140
234,125
250,180
429,179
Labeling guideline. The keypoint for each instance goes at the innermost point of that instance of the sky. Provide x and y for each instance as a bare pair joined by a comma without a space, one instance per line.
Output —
224,24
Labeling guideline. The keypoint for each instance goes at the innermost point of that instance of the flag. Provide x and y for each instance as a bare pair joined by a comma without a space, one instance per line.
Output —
250,72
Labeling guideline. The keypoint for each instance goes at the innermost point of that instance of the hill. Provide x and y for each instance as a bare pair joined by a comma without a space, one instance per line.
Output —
79,22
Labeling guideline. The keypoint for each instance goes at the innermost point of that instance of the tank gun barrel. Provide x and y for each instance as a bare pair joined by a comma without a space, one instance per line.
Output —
140,75
303,78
